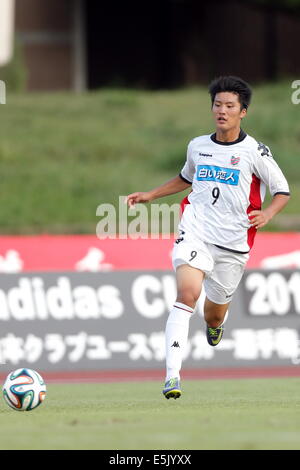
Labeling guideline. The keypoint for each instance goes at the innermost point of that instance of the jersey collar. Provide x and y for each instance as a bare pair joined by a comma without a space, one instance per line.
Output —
240,138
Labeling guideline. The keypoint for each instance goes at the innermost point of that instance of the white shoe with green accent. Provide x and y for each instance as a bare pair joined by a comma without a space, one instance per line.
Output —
172,388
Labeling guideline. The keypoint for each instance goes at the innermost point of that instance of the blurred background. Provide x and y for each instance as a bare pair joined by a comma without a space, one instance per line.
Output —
88,82
102,99
86,44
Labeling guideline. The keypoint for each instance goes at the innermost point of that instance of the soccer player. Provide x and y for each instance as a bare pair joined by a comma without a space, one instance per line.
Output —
228,172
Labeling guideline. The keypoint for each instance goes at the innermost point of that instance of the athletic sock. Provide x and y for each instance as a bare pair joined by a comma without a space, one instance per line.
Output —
177,330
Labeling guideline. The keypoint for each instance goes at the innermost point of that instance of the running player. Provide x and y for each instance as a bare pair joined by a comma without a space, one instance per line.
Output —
228,172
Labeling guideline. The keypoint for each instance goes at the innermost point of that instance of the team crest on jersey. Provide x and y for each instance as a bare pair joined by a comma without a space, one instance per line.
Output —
234,160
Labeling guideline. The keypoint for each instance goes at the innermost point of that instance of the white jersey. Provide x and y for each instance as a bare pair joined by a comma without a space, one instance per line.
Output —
228,180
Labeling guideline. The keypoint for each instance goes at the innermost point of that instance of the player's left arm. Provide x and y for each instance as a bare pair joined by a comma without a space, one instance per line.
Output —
267,169
259,219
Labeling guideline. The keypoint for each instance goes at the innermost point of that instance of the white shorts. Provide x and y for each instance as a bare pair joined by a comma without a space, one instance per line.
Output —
223,269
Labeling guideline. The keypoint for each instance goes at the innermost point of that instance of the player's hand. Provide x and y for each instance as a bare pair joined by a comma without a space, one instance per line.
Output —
259,219
135,198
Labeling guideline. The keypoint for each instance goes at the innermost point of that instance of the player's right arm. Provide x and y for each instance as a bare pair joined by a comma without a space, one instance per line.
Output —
173,186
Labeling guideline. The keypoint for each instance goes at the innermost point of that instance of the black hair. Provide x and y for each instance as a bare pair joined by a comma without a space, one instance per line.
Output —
234,85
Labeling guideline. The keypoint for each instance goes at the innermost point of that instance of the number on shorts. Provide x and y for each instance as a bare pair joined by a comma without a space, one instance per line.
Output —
193,255
215,194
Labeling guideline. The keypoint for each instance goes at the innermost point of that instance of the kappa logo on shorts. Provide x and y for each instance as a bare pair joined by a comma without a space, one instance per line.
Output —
218,173
228,296
180,238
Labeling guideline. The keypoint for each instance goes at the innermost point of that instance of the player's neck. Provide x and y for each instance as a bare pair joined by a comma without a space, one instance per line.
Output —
230,135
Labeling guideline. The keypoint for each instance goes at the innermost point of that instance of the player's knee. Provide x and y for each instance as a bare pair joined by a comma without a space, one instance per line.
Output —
188,296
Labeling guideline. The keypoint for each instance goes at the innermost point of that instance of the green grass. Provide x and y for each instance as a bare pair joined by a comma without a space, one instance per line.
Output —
63,154
214,414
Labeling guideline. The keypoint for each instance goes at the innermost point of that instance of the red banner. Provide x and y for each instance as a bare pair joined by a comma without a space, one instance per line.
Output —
88,253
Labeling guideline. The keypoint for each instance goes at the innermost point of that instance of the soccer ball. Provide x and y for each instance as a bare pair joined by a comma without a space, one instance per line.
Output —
24,389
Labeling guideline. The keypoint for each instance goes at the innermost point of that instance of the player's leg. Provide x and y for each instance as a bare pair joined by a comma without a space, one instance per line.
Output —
214,315
220,287
191,259
189,282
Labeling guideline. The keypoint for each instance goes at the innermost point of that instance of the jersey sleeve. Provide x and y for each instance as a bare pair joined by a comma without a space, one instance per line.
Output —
266,168
187,172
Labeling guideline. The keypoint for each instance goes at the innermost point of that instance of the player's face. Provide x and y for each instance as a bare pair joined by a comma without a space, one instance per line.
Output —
227,111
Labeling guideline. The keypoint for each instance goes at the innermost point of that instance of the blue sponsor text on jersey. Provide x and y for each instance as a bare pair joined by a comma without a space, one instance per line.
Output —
218,173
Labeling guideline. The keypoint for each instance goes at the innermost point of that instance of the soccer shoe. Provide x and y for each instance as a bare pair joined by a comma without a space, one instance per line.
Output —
172,389
214,335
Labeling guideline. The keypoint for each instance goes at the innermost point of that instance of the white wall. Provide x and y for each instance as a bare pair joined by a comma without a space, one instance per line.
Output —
7,8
